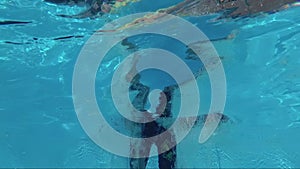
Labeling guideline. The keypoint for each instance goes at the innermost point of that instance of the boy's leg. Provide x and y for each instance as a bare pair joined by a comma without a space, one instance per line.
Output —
167,145
167,160
167,151
138,163
137,147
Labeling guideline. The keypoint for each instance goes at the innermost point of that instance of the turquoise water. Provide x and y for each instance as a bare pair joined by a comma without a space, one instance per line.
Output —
39,127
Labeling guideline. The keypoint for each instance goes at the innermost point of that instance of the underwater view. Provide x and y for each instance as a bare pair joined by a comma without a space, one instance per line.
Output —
149,84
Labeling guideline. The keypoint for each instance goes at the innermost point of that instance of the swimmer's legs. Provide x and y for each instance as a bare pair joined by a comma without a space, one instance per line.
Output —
139,147
167,153
139,163
167,160
164,143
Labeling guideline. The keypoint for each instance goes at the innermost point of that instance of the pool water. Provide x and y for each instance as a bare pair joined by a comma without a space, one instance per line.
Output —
39,126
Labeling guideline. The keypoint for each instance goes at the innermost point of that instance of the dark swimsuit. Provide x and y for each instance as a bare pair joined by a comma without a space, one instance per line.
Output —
167,159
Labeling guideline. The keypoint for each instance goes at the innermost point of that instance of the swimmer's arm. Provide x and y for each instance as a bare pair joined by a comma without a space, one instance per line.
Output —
90,13
97,9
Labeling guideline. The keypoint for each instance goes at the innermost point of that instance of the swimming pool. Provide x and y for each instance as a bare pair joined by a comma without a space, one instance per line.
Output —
39,126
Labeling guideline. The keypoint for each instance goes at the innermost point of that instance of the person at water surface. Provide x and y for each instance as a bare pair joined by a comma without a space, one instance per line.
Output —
229,8
96,7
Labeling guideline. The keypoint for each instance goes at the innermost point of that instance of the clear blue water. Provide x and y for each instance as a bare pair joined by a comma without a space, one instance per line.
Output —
38,123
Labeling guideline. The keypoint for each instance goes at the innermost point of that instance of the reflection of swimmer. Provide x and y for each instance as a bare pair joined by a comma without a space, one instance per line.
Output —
97,7
229,8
